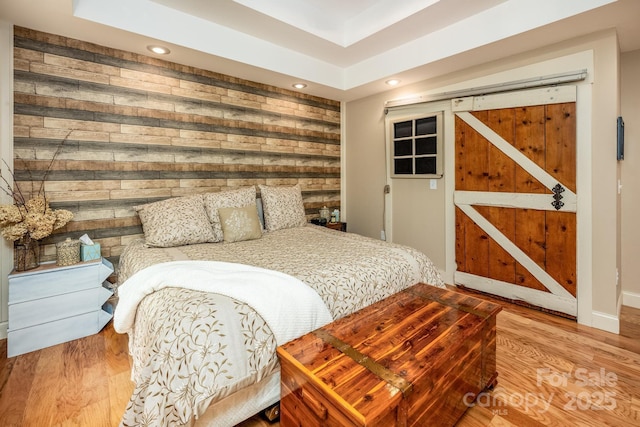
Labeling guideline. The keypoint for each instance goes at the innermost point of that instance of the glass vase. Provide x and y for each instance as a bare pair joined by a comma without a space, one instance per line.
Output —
26,254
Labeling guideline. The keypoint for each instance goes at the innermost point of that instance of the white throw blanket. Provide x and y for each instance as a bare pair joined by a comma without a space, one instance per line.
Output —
288,305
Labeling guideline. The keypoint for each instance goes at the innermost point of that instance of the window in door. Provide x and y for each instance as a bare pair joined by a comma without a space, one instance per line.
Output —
416,150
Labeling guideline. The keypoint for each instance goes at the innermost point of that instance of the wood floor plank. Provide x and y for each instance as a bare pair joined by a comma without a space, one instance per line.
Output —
120,389
20,375
42,400
543,363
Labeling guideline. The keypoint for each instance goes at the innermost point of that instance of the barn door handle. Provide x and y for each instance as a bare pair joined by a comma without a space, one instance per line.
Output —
557,196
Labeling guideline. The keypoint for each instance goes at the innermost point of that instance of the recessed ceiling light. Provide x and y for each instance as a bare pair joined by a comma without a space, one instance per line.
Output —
299,85
392,82
160,50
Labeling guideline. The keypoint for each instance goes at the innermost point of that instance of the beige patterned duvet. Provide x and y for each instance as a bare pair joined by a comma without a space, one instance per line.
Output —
192,348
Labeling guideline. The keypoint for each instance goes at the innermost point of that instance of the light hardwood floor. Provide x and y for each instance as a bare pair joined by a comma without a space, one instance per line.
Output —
551,372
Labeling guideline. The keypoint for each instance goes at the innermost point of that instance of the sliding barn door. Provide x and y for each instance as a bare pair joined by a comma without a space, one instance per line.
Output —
515,196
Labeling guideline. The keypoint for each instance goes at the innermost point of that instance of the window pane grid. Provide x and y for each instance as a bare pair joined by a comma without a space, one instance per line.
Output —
415,149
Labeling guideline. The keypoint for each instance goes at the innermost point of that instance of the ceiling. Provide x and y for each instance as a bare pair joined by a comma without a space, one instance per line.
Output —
342,49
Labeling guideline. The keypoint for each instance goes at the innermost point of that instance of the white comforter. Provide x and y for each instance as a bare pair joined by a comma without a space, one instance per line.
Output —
288,306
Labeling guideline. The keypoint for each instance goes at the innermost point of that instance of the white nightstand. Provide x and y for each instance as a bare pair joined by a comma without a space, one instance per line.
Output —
50,304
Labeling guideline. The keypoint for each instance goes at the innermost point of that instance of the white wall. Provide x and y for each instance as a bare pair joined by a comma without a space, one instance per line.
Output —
598,98
6,155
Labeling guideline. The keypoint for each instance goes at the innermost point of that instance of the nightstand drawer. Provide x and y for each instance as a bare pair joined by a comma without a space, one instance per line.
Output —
43,310
50,280
47,334
340,226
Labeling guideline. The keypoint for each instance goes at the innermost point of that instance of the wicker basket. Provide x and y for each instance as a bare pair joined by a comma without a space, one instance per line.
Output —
68,252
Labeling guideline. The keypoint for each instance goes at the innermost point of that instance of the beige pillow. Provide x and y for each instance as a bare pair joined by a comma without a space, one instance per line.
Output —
283,207
175,222
240,224
226,199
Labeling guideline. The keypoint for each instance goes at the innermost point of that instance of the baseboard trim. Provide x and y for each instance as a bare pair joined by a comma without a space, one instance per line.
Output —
631,299
605,321
4,326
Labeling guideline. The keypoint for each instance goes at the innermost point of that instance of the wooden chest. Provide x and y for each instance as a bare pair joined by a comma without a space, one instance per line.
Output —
417,358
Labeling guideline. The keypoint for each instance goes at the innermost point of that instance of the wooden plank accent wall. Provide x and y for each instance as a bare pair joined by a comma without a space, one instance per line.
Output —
141,129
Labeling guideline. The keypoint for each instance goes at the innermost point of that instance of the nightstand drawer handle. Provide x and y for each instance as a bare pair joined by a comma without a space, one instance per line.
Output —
313,404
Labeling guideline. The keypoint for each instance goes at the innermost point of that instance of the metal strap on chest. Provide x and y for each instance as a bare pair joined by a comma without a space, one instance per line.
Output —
374,367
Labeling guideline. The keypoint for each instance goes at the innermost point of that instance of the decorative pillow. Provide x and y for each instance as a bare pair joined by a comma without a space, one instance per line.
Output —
175,222
240,224
282,207
226,199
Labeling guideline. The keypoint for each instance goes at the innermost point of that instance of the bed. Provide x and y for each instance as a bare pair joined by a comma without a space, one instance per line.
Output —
219,282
